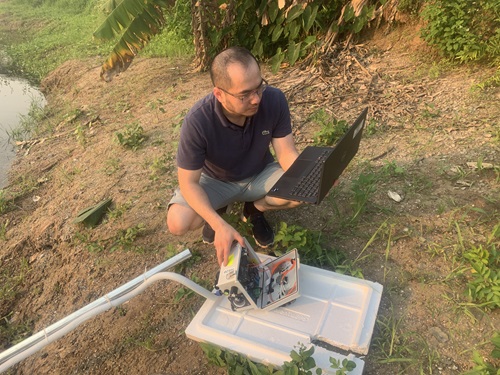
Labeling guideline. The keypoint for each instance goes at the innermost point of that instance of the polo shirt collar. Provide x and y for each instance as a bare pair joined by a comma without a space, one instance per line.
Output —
223,119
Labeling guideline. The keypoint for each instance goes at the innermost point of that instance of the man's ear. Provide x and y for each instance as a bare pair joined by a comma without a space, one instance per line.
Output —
217,93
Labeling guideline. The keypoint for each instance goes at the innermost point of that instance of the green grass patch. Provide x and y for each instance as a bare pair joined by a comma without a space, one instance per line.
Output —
48,33
55,35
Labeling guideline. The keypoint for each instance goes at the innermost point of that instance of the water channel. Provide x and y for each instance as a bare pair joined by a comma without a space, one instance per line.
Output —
16,98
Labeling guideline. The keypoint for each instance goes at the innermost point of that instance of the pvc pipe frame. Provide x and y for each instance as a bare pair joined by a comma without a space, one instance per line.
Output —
115,298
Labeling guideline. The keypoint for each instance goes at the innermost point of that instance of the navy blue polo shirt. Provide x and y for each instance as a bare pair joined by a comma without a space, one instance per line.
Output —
226,151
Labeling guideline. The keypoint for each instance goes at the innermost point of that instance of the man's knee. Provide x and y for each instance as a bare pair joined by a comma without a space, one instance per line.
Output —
175,228
181,220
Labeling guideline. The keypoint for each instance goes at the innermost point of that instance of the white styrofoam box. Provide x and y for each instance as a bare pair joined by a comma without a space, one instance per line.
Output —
337,309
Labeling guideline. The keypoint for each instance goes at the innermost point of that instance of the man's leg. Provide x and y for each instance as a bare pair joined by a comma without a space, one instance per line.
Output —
257,202
181,218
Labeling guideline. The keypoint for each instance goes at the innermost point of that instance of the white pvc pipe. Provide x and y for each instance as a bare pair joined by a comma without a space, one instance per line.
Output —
115,298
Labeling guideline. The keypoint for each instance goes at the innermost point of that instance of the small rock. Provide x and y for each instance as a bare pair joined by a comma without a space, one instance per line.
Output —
439,334
394,196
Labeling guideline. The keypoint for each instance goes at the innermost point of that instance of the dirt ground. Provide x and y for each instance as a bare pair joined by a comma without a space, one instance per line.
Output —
425,120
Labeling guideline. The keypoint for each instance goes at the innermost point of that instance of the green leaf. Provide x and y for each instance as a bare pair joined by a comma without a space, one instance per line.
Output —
358,25
294,370
309,16
293,52
349,13
241,10
350,365
256,32
253,368
294,12
294,30
278,30
258,48
123,15
273,10
309,40
295,356
276,60
309,352
309,363
138,22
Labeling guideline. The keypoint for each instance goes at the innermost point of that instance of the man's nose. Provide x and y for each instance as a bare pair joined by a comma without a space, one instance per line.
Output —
255,97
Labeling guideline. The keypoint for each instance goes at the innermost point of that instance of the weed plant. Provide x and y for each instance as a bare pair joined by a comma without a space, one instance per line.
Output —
331,129
13,333
482,367
124,240
463,30
483,261
132,137
185,292
309,244
302,362
362,189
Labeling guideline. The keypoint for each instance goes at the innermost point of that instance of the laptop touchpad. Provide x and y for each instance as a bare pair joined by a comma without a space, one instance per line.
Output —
298,168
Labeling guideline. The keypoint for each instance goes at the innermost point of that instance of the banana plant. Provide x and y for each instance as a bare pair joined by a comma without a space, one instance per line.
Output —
135,22
281,30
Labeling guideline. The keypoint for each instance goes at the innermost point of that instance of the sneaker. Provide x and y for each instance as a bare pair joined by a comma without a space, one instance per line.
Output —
208,234
261,230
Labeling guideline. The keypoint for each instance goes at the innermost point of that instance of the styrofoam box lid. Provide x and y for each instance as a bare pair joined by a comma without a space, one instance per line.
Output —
336,309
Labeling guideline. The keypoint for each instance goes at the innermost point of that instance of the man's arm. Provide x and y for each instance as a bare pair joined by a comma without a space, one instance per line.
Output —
195,196
285,150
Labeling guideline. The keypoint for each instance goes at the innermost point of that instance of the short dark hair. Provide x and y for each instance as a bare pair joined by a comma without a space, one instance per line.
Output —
218,68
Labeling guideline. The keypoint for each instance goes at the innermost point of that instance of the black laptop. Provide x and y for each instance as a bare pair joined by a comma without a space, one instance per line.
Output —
316,169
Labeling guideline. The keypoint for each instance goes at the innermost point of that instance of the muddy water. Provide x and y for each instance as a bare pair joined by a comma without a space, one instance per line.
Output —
16,98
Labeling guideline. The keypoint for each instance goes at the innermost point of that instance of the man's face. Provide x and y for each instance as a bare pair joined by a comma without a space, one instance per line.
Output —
244,95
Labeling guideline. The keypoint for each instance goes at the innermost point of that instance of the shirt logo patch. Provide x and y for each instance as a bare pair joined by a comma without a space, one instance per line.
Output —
266,132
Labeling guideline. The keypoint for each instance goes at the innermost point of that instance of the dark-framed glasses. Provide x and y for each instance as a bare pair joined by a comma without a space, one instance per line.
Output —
248,95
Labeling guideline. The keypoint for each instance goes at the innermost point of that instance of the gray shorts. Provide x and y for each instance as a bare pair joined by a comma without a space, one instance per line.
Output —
223,193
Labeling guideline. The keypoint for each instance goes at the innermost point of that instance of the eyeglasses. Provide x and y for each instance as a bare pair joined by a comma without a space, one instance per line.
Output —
246,97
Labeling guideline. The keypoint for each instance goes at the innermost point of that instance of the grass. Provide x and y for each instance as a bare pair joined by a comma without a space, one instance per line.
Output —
20,187
4,201
62,30
54,37
29,124
401,349
160,166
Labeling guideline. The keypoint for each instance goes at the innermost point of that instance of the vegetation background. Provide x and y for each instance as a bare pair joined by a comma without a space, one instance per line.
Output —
52,41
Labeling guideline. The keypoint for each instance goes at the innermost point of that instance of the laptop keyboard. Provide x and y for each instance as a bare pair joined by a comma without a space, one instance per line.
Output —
308,185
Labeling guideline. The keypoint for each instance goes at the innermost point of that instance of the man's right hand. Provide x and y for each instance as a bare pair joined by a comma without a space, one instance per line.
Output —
225,235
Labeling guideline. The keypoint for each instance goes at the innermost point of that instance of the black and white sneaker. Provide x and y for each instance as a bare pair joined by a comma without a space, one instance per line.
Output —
261,230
